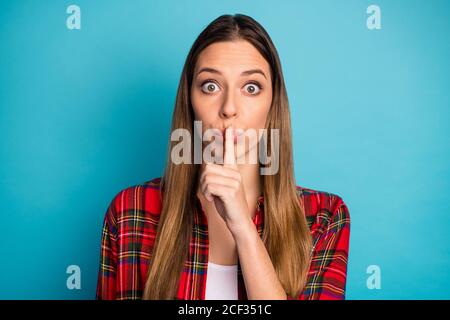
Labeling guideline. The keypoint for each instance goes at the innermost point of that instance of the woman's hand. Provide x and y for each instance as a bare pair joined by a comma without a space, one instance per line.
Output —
223,185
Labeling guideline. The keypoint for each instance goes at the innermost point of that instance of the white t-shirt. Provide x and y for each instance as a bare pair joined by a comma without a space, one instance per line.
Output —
221,282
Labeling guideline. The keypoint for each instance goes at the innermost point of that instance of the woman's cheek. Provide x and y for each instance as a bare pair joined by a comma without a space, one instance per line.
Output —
258,112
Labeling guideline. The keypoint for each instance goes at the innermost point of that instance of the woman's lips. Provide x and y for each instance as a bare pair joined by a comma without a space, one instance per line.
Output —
236,134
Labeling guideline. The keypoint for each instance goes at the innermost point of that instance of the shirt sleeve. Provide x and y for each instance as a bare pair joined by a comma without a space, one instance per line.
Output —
106,285
328,270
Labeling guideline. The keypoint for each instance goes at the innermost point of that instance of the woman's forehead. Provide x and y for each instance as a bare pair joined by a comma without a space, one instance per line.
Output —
232,57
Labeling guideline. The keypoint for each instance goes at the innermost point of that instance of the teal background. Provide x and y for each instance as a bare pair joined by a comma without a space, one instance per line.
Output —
86,113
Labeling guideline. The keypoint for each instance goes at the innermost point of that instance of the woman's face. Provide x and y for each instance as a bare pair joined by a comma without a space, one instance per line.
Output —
231,86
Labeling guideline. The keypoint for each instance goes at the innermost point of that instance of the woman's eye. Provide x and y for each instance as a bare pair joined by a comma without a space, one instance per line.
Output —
209,87
252,88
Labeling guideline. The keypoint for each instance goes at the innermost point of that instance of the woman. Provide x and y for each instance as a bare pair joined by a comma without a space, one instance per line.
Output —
224,230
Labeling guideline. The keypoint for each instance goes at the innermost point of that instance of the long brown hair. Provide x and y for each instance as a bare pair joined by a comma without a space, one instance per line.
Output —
286,234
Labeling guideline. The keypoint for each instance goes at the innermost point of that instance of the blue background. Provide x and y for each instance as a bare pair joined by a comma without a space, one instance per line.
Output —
86,113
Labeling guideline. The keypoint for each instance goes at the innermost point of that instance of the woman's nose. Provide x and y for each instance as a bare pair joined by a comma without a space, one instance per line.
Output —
229,107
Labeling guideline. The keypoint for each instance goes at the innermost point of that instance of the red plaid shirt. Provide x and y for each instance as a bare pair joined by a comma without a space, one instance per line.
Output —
129,233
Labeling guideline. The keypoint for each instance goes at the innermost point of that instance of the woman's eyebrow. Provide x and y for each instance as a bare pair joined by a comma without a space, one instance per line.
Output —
252,71
244,73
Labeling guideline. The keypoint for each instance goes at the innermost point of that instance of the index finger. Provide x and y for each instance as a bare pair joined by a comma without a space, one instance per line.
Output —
229,157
